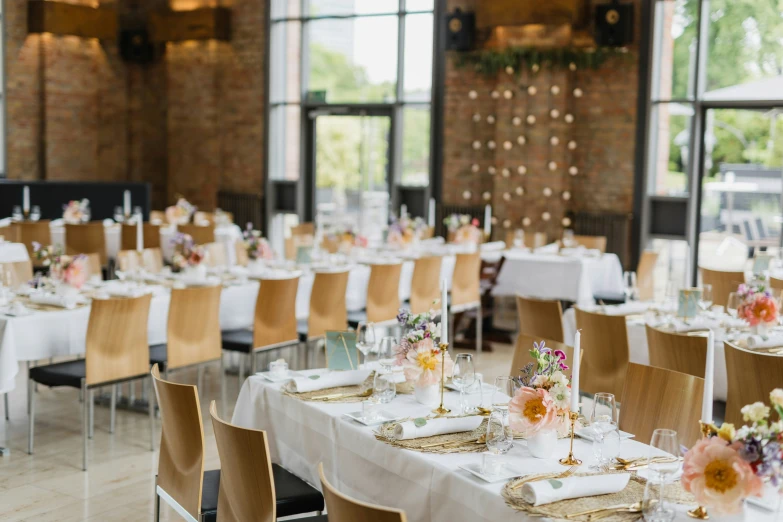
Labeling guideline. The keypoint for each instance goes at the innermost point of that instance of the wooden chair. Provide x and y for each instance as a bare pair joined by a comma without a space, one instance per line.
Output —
605,345
596,242
684,353
524,344
293,243
645,275
540,318
425,284
94,265
655,398
327,305
152,260
158,217
116,352
86,237
216,254
428,233
128,260
151,237
532,240
346,509
274,326
723,283
251,487
383,294
775,283
466,291
16,273
29,232
751,376
201,234
209,217
241,253
303,229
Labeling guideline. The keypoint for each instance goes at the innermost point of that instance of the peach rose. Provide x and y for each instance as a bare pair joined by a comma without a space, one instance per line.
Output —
532,410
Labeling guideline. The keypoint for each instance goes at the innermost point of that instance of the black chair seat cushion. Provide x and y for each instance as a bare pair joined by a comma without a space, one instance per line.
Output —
294,495
237,340
158,355
354,318
69,373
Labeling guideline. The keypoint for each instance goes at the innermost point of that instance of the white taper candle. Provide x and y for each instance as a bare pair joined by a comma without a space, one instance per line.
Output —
709,379
26,199
126,203
403,210
444,312
139,233
575,364
431,214
488,221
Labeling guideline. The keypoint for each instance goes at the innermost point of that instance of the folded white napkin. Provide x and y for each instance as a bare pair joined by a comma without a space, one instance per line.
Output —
494,246
547,491
757,341
551,248
57,222
329,380
633,307
63,301
196,280
116,289
108,222
408,429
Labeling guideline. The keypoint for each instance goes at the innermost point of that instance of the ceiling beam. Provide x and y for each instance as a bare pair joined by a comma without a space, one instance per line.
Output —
62,18
209,23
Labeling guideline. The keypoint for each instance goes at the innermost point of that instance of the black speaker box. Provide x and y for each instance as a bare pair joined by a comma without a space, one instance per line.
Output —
614,24
459,30
136,47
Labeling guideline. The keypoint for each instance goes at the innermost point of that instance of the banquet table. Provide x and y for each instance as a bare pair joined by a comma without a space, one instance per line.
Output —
429,487
576,278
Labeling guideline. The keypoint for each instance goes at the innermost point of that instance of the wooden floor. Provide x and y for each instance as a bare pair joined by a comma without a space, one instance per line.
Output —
50,485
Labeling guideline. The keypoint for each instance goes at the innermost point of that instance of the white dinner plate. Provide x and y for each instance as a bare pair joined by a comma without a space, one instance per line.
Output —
587,434
279,378
382,418
506,472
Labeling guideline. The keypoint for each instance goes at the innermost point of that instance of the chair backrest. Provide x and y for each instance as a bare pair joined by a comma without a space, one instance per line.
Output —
201,234
15,273
209,217
151,237
152,260
293,243
751,376
425,284
775,283
346,509
94,265
86,237
193,331
158,216
605,346
117,347
523,346
383,292
216,254
723,283
181,461
328,309
532,239
677,352
241,253
645,275
428,232
29,232
247,486
658,398
465,283
540,318
275,316
597,242
303,229
128,260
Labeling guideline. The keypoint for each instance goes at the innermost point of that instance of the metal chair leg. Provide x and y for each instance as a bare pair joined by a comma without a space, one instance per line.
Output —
200,379
91,412
157,503
85,422
29,389
7,409
30,416
253,362
479,330
113,408
241,363
151,408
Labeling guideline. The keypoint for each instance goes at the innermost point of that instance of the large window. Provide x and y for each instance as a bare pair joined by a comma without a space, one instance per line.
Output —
350,96
715,132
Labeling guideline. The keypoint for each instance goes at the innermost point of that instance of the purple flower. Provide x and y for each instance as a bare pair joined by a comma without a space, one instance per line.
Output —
751,452
36,246
402,316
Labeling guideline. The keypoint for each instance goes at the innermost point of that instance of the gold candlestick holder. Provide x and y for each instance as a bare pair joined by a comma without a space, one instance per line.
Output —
700,513
570,460
444,348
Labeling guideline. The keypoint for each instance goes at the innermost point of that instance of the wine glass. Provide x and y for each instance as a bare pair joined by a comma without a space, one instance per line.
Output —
16,213
672,294
365,339
35,213
629,285
464,375
86,214
661,471
119,215
519,238
505,387
603,422
705,301
733,304
568,238
386,352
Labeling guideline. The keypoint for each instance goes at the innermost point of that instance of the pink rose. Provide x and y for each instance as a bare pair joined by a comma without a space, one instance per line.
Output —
532,410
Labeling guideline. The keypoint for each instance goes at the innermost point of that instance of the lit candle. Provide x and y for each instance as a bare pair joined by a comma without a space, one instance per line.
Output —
487,221
431,215
575,372
403,210
139,233
709,373
444,313
126,203
26,199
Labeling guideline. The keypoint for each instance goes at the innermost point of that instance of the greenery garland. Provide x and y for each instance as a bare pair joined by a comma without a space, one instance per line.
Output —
489,62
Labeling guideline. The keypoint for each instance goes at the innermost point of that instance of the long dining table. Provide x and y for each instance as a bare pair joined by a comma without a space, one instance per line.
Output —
429,487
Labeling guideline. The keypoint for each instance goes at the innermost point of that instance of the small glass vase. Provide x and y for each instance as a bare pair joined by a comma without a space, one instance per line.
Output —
427,395
761,329
542,445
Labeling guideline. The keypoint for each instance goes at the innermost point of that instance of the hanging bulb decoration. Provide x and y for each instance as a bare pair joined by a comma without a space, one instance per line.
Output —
572,66
531,90
547,192
495,95
491,170
554,140
472,95
554,89
494,220
505,172
526,222
516,121
466,194
573,170
571,145
535,68
566,195
566,222
552,165
476,117
487,196
531,120
506,223
521,140
506,196
476,144
507,94
569,118
554,114
507,145
491,119
509,69
491,145
521,170
520,191
546,216
578,93
475,167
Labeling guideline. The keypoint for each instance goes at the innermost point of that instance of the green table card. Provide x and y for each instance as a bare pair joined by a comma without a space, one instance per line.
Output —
304,254
761,263
341,352
688,303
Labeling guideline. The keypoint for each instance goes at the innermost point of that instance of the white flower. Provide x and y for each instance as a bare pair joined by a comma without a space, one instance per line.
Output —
434,330
776,397
755,412
540,381
561,394
559,378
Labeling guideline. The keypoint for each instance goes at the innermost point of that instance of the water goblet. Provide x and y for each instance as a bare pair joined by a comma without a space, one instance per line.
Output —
499,441
365,339
35,213
603,421
384,388
505,387
705,300
386,352
464,375
733,303
629,285
119,215
519,238
16,213
661,471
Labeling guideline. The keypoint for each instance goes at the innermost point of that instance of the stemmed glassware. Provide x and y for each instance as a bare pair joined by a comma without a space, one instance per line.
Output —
519,238
629,285
119,215
733,304
505,387
386,352
568,238
16,213
499,441
35,213
661,471
365,339
705,301
463,376
603,423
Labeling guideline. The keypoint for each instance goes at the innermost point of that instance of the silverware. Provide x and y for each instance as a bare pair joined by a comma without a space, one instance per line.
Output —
609,509
633,508
567,473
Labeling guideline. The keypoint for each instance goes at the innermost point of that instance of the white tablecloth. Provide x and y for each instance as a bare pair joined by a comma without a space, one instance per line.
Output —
429,487
12,252
548,276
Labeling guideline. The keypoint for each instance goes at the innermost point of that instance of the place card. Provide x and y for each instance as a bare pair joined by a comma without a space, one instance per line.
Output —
381,417
341,352
761,263
688,303
304,254
504,473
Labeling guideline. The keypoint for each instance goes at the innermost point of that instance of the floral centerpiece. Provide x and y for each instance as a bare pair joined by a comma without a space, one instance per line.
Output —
420,355
405,230
464,228
180,213
757,306
187,255
542,402
342,238
76,211
732,464
67,270
257,247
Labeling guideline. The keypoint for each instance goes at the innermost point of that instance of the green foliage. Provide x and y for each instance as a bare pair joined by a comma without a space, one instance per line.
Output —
490,62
